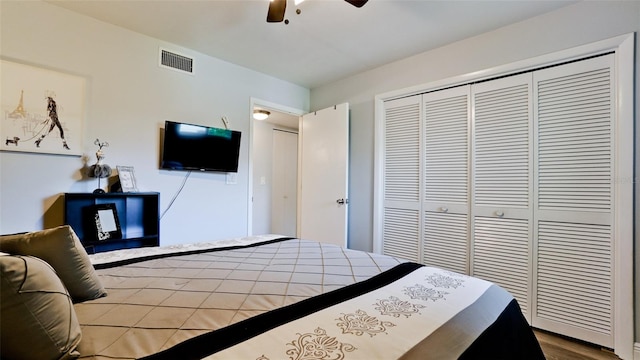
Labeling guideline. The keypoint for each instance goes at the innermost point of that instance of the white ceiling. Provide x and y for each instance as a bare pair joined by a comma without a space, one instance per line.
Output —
329,40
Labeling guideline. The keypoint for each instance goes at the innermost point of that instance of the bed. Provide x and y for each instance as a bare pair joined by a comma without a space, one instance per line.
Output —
271,297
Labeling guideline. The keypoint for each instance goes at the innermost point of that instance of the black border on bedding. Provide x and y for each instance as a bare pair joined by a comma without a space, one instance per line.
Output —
134,260
509,337
217,340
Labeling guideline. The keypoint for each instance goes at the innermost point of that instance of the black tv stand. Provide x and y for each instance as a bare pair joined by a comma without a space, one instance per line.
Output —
137,214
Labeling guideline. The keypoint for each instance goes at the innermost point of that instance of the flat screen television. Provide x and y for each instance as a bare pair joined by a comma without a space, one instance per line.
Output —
198,147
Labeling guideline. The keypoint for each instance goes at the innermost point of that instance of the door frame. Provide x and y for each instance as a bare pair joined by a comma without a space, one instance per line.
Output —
264,104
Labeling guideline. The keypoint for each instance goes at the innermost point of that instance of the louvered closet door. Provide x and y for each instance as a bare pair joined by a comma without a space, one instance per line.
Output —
445,241
402,168
501,187
574,266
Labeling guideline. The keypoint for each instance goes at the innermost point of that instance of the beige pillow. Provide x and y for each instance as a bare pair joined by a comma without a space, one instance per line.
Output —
61,248
38,318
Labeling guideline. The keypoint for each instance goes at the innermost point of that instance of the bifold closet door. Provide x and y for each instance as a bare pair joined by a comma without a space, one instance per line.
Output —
402,179
574,126
502,165
284,184
445,239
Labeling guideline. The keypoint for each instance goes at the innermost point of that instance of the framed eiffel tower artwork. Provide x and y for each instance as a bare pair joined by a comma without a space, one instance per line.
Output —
41,110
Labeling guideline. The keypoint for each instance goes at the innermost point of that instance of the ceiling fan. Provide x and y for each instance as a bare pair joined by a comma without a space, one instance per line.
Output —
277,8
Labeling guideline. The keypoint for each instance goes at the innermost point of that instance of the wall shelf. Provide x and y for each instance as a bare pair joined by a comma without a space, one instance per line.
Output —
137,214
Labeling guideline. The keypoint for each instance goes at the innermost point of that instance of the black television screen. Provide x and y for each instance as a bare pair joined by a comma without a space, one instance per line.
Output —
197,147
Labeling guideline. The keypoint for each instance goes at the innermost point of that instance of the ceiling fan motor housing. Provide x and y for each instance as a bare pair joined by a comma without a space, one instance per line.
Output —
277,9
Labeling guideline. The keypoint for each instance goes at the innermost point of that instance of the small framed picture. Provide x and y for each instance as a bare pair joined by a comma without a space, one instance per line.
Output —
127,178
105,222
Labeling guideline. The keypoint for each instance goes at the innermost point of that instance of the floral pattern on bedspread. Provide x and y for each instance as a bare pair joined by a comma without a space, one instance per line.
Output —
372,326
422,292
396,307
318,345
360,322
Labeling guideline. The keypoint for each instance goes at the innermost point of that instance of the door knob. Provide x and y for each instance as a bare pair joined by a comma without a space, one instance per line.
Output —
342,201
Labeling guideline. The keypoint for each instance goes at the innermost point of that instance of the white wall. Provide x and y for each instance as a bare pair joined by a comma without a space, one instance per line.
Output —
582,23
129,97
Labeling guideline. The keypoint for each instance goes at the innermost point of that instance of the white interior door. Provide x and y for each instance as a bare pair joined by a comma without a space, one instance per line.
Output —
445,237
284,184
502,169
401,228
324,164
574,219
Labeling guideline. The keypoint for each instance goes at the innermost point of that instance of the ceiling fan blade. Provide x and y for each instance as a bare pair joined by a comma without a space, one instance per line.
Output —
276,10
357,3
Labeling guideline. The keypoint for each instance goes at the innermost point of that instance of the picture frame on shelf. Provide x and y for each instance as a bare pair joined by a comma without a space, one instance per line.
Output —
103,219
127,179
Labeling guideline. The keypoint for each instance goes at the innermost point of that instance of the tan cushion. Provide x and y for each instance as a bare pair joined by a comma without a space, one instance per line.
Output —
38,318
61,248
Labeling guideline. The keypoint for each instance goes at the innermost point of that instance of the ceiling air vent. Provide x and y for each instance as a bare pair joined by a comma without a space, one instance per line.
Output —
176,61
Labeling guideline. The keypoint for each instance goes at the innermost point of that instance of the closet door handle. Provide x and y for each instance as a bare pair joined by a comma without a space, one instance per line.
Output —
499,213
444,209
